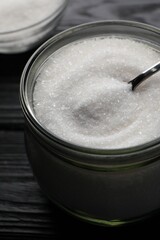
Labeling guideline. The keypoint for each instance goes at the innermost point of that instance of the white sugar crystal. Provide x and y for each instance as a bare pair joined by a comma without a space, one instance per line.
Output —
18,14
82,95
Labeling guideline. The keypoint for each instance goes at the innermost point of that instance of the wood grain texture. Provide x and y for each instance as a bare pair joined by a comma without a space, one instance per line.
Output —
22,205
25,213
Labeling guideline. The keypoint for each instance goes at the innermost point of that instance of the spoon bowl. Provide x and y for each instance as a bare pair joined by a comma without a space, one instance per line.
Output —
144,75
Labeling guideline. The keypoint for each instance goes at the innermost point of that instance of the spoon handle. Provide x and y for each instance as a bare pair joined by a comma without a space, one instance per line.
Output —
144,75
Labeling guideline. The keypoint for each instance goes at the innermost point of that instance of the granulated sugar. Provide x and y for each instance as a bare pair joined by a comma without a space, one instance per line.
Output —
82,95
18,14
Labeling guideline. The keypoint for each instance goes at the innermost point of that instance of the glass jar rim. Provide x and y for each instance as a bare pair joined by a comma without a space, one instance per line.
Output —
25,103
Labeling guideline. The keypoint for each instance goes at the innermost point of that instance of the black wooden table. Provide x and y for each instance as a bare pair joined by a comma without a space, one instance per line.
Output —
25,213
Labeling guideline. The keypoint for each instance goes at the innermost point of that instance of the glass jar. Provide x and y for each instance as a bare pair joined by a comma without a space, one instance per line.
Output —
106,187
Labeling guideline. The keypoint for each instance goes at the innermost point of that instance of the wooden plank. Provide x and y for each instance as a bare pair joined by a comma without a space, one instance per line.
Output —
11,115
23,208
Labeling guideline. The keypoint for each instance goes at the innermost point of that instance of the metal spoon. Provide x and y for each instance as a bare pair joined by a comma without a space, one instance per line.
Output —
144,75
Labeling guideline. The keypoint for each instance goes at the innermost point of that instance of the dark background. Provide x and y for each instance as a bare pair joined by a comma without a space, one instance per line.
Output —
25,213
